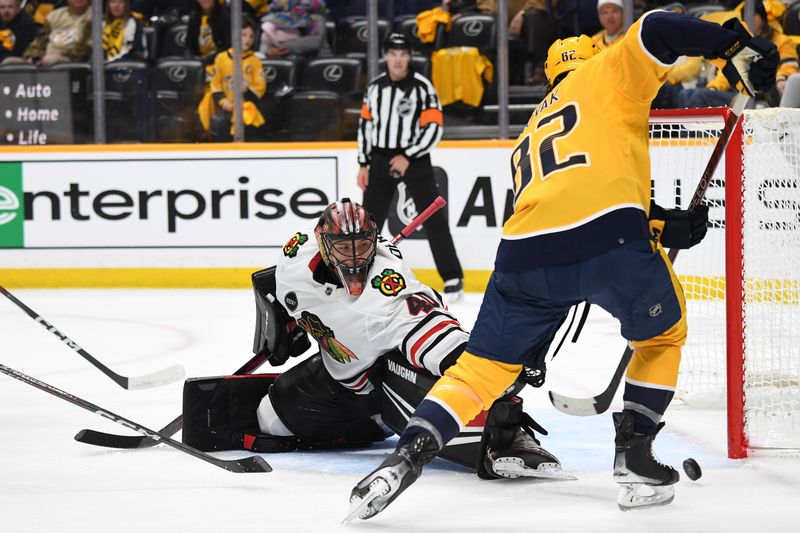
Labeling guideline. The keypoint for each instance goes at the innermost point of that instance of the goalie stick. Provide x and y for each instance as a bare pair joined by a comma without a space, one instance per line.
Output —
600,403
253,463
110,440
155,379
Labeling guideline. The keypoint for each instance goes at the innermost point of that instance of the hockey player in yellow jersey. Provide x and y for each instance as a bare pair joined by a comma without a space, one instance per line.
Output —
580,232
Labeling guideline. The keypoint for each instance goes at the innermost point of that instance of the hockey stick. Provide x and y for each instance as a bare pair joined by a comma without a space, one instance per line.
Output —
437,204
254,463
110,440
600,403
156,379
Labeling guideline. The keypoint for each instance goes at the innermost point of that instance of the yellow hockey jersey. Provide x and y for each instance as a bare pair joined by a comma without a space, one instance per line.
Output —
581,167
458,74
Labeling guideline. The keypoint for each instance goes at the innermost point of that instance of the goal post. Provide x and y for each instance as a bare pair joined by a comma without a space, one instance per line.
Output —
741,283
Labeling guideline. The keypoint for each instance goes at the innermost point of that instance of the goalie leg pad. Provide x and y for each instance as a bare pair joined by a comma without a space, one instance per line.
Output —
316,408
219,413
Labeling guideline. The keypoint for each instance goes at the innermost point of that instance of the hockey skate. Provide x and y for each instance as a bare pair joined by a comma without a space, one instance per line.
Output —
402,468
644,481
525,458
453,290
510,448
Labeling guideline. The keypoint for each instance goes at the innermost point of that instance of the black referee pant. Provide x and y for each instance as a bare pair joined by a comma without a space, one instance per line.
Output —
421,185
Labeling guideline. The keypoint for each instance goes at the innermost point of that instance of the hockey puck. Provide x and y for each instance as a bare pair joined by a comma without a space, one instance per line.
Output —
692,469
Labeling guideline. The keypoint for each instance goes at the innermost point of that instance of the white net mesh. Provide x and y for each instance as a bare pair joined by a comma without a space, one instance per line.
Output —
771,252
680,149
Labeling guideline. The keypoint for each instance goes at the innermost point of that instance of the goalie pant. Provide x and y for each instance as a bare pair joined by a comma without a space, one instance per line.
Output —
220,413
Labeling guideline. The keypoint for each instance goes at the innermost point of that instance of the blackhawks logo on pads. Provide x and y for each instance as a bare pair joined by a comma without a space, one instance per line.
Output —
294,244
390,283
324,336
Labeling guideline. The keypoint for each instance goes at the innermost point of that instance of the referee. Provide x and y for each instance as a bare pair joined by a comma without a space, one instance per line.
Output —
401,122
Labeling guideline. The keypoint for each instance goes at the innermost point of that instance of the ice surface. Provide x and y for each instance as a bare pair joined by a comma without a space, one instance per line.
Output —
49,482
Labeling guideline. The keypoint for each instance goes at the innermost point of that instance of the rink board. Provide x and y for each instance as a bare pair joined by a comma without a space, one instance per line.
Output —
207,215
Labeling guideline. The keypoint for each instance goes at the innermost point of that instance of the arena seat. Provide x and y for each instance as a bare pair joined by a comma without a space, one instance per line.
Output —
353,33
339,75
150,34
473,30
279,73
177,86
698,10
126,97
174,41
791,20
315,116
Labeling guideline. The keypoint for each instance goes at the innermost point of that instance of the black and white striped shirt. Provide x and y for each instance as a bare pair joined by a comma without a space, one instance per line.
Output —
404,115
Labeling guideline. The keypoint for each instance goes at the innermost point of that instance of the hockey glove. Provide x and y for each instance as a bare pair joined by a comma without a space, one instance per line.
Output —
678,228
751,61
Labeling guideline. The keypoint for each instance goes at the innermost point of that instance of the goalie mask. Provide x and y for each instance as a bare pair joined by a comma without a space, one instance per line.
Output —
347,236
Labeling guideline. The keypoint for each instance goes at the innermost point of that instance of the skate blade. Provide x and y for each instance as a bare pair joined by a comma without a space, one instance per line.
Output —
514,467
360,507
631,497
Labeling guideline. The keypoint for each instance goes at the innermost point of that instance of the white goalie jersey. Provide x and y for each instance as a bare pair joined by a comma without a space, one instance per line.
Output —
395,311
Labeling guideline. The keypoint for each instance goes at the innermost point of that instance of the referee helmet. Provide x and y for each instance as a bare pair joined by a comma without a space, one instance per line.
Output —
396,41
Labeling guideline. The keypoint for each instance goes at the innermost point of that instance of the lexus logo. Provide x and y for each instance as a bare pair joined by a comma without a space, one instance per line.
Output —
362,33
180,38
8,202
473,28
122,75
177,74
333,73
270,73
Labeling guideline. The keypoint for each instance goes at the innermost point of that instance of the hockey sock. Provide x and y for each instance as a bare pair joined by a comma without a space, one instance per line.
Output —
467,388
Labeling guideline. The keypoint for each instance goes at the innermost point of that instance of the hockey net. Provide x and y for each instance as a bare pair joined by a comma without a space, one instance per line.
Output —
742,283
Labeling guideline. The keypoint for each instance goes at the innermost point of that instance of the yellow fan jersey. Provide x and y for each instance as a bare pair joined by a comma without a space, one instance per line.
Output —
581,167
458,74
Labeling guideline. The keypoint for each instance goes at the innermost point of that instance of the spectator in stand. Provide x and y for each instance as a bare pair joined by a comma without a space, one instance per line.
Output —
209,30
166,11
216,109
122,33
65,36
38,10
530,21
610,14
17,30
719,92
255,8
294,27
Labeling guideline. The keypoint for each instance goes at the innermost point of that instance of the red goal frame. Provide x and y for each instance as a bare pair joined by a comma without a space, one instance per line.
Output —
734,281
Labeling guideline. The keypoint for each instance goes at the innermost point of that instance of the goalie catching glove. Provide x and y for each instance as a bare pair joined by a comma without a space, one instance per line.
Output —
751,61
678,228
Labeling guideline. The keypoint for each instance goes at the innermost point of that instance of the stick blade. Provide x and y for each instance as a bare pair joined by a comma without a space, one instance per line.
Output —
109,440
575,406
248,465
156,379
